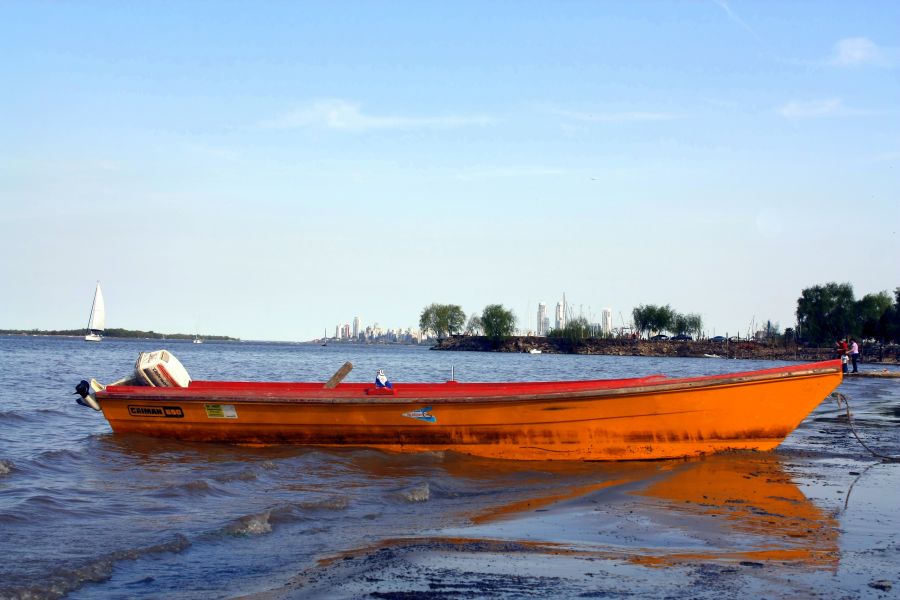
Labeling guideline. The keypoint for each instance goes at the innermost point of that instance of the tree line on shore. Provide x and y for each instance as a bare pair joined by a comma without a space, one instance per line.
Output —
497,322
650,317
825,313
830,312
116,332
494,322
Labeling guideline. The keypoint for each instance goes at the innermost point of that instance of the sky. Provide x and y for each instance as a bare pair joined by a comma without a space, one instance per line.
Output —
270,170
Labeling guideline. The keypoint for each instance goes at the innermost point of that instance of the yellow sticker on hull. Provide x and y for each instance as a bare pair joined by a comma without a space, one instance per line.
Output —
221,411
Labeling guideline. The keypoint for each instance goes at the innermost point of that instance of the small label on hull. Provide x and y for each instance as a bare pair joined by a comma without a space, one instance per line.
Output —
169,412
422,414
221,411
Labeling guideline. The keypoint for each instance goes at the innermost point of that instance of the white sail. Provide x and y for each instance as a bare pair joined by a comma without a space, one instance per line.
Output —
97,322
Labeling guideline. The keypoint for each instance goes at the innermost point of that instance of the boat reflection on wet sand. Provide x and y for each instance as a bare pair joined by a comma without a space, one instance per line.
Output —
760,512
712,519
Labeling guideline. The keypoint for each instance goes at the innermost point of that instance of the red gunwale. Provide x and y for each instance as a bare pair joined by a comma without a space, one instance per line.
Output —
445,391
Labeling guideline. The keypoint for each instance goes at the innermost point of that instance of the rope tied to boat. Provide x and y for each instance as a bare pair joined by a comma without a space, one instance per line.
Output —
844,402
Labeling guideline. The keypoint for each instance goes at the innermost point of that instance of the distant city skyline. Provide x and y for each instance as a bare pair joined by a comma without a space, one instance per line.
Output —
374,333
287,166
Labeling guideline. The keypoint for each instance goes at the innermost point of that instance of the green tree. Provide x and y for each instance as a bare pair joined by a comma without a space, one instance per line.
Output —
442,319
789,336
574,330
653,318
694,324
890,320
825,313
869,312
679,323
497,322
642,316
473,327
663,318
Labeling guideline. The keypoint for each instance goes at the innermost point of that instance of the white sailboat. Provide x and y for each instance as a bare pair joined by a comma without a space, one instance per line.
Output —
97,320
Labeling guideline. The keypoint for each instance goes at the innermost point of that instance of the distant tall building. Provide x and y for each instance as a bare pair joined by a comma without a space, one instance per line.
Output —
541,317
561,313
355,328
337,332
606,321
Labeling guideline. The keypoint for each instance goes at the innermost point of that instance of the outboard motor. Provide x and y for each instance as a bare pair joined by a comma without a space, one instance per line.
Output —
155,369
88,390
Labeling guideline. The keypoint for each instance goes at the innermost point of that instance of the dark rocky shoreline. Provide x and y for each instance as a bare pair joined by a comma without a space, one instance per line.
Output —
699,349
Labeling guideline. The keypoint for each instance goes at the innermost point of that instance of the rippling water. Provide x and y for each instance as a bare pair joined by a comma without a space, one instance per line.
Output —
86,513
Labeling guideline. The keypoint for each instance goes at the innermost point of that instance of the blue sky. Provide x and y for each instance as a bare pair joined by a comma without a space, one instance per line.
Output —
270,170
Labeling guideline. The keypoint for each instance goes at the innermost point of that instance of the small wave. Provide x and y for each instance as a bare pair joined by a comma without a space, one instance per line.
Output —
418,493
6,467
195,488
65,580
50,503
251,525
262,523
246,475
53,457
330,503
198,486
8,417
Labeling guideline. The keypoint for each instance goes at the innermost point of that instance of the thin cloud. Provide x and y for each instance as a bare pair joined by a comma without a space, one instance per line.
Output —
817,109
723,4
344,115
619,117
860,51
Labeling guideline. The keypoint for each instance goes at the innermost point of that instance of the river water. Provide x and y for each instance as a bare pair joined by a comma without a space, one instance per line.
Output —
88,514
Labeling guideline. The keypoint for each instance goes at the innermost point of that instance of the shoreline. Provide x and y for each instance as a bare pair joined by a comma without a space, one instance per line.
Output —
743,349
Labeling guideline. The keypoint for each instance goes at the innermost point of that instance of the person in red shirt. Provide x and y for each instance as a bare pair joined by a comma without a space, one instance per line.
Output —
842,351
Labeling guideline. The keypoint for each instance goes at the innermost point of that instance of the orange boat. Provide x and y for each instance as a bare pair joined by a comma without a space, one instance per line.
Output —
617,419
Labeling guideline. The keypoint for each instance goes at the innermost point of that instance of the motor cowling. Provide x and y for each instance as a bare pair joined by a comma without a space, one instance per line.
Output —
88,390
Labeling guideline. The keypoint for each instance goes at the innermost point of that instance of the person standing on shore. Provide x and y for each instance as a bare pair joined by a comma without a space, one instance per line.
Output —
854,354
842,352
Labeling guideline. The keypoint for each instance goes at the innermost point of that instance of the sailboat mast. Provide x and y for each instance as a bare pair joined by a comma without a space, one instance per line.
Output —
93,307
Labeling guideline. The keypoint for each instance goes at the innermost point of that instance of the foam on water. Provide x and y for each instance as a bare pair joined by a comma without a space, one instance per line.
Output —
251,525
417,493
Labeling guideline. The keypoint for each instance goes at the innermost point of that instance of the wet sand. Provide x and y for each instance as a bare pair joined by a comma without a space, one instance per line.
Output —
726,526
820,518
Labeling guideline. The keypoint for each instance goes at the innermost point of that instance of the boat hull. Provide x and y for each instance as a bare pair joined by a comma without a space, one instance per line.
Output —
651,418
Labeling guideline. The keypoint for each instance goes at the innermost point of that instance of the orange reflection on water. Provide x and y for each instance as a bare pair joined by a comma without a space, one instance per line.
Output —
751,495
742,506
507,510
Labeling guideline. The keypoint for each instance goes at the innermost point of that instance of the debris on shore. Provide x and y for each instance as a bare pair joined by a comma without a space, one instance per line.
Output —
749,349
